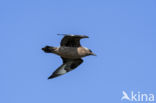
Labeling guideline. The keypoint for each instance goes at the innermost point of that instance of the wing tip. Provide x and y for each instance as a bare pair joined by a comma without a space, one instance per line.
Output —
53,76
83,36
50,78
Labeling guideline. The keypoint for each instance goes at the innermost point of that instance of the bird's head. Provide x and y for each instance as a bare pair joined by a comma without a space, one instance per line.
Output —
91,53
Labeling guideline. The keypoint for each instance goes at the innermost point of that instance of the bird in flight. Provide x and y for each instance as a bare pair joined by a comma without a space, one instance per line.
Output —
70,51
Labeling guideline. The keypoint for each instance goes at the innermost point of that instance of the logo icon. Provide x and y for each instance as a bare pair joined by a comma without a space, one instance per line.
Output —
125,96
138,96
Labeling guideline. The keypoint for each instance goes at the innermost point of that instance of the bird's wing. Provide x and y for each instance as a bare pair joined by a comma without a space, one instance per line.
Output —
71,40
68,65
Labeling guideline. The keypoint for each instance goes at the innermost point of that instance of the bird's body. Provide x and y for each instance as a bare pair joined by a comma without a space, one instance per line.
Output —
71,53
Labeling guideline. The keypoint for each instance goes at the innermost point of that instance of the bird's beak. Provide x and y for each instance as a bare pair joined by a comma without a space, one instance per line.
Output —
93,54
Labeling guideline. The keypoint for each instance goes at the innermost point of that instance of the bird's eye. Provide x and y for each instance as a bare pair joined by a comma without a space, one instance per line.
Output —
90,50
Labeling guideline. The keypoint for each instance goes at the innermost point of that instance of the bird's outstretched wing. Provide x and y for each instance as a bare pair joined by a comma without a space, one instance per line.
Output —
68,65
72,40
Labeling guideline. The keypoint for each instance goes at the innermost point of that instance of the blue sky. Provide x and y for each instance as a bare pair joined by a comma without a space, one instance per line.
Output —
122,34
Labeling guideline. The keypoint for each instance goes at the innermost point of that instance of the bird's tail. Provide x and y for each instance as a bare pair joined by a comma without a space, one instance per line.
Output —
49,49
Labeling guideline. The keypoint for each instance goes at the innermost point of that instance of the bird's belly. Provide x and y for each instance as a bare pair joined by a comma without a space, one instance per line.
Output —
69,52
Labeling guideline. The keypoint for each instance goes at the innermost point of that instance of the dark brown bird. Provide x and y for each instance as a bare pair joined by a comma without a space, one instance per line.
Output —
71,53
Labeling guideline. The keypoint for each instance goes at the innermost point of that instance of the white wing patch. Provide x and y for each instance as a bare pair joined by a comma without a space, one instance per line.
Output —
62,70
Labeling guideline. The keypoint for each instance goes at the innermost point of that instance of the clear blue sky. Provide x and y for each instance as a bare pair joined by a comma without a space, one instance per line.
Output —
122,34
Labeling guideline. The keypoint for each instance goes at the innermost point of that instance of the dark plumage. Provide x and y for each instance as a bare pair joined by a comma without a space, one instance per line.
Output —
71,53
72,40
48,49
